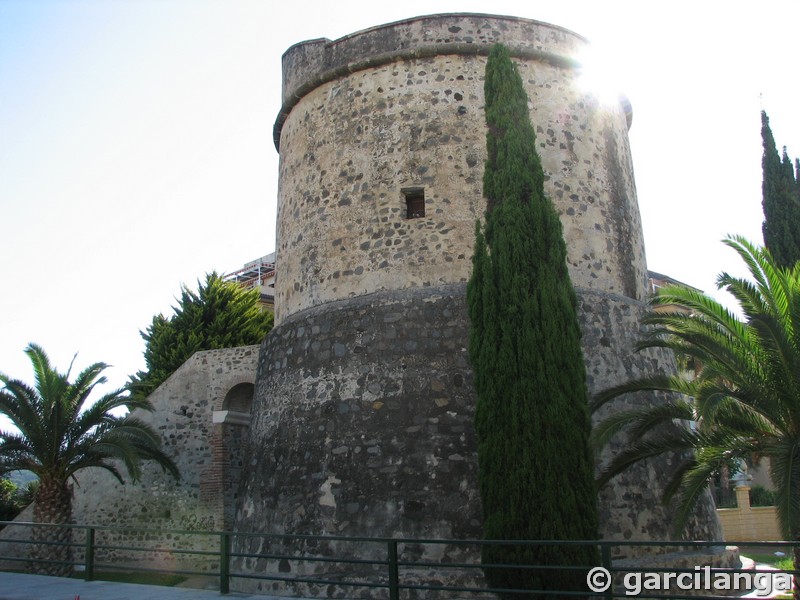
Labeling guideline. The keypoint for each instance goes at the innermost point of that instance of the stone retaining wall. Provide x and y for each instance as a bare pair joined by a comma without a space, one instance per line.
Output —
208,455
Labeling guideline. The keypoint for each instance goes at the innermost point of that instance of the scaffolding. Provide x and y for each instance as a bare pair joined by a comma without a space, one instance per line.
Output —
255,274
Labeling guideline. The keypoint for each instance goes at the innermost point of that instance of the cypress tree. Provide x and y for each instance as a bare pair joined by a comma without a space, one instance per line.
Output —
780,200
536,476
797,176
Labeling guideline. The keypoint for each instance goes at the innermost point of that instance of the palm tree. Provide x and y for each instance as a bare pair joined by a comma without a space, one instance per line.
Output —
61,432
743,403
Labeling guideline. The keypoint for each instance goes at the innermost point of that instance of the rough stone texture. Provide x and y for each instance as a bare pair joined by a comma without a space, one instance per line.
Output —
208,455
376,391
363,409
351,144
630,507
365,426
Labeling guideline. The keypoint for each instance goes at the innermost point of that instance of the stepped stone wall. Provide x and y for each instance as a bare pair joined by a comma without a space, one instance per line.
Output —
208,454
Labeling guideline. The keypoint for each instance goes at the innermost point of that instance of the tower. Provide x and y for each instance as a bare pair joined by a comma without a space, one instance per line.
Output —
362,417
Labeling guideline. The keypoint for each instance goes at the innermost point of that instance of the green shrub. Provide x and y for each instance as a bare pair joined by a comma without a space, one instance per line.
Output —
760,496
11,500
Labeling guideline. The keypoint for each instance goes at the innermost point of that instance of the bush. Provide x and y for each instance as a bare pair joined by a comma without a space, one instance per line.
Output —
10,501
760,496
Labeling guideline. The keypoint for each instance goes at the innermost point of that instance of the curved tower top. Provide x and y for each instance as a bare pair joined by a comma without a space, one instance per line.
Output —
382,143
311,63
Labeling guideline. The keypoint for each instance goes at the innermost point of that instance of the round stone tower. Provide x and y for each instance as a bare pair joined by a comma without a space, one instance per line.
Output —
364,398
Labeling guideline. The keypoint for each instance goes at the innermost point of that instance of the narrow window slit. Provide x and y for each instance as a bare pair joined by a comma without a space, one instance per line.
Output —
415,202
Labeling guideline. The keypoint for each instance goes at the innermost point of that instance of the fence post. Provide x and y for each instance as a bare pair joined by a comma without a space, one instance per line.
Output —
224,563
394,590
88,558
605,557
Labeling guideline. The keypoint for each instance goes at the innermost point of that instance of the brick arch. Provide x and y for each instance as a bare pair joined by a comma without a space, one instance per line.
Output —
223,391
220,483
239,398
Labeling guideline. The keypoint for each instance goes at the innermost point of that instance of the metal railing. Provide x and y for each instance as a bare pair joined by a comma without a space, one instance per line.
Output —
393,565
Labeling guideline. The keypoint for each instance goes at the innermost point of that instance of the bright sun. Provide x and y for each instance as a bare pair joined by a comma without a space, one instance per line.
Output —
601,74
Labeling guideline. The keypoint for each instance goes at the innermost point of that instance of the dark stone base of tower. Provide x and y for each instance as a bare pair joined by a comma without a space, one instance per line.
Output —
363,427
630,506
364,418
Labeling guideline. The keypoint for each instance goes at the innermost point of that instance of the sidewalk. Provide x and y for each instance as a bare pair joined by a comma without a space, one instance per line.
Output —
19,586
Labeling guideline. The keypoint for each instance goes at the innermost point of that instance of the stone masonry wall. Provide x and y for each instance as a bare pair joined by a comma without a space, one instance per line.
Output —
205,453
351,140
630,507
363,411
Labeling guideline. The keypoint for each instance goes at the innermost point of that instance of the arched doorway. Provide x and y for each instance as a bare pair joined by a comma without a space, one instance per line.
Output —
234,418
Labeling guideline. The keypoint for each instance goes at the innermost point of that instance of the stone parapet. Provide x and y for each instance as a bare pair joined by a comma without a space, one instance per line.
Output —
306,61
309,64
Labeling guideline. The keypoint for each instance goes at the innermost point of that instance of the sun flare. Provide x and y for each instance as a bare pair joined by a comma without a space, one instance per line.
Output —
601,74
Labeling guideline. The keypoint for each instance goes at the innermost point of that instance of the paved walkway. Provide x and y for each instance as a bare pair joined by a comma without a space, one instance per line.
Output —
18,586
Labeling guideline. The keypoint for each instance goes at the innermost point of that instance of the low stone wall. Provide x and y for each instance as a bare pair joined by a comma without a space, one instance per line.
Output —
10,538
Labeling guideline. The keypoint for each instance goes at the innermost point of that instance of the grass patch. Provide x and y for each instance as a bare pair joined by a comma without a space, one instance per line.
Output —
763,556
164,579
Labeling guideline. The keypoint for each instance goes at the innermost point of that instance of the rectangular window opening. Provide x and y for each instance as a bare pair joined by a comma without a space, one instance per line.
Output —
415,202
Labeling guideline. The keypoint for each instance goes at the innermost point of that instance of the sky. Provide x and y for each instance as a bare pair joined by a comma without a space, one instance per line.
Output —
136,148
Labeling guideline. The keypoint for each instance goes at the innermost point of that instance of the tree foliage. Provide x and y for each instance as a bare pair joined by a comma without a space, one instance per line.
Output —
60,431
10,505
535,465
221,314
745,400
780,200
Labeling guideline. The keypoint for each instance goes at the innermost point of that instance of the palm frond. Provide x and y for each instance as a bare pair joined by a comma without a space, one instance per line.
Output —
92,462
746,396
656,383
21,405
640,421
694,482
62,430
784,458
673,440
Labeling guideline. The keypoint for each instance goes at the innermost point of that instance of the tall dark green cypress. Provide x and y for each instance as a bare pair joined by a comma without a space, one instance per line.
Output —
536,475
780,200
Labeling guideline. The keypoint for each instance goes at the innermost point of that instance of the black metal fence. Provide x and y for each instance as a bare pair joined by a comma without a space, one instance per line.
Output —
402,567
